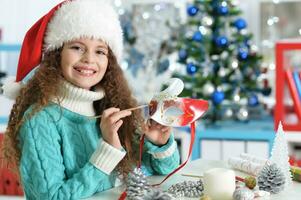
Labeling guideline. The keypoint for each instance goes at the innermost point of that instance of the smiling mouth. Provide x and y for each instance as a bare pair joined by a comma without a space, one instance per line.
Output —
85,71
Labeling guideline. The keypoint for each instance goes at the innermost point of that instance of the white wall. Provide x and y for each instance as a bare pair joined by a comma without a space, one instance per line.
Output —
17,16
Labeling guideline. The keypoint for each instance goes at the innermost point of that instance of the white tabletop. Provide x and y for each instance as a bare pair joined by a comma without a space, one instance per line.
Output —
197,168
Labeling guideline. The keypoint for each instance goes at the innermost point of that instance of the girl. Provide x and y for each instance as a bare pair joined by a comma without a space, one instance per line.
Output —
61,151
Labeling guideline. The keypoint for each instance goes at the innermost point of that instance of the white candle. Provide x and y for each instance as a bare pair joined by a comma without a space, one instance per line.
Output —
219,183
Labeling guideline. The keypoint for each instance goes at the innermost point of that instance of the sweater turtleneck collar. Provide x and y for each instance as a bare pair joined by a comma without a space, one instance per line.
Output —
77,99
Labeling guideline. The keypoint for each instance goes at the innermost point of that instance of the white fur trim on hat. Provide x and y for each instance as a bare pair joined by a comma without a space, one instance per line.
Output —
85,18
11,89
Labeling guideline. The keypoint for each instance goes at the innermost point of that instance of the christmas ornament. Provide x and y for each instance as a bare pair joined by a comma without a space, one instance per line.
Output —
280,154
240,23
234,64
192,10
243,194
228,114
190,189
253,100
197,36
242,114
253,49
156,194
191,68
136,184
208,89
224,55
218,97
182,54
223,9
250,182
205,31
242,53
271,179
221,41
222,72
207,20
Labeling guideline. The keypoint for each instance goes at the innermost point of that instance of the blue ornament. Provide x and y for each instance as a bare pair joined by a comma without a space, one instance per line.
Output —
182,54
223,9
218,97
192,10
253,100
240,23
242,54
191,68
221,41
197,36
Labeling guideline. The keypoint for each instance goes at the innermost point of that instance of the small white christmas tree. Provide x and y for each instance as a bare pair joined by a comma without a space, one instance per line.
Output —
280,154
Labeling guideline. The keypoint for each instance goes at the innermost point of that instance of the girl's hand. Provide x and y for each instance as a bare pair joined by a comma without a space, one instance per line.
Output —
111,121
156,133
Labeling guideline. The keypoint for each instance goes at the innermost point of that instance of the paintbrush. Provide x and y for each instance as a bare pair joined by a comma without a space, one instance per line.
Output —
129,109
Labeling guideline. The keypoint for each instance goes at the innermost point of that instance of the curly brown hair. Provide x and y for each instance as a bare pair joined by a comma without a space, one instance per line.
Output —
44,85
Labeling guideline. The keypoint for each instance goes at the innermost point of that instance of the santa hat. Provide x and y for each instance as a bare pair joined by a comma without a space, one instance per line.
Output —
65,22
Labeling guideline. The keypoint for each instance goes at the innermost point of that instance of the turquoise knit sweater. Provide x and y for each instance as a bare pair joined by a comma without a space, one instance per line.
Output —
57,149
56,145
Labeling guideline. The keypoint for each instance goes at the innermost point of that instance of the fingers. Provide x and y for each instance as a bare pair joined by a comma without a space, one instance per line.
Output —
118,124
114,114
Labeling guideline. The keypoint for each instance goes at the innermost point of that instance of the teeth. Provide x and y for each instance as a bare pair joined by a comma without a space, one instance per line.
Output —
86,72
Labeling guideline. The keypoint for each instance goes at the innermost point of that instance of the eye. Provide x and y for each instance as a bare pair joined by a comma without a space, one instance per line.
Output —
101,52
77,48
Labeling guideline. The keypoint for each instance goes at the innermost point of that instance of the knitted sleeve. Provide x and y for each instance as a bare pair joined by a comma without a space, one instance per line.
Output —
42,169
161,160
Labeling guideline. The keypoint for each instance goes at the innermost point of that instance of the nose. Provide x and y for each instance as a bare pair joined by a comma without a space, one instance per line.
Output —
88,57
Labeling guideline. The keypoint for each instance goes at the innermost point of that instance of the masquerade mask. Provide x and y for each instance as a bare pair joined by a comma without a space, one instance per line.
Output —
169,110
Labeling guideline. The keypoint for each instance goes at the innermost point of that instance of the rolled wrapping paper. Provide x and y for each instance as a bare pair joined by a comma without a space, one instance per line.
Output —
219,183
254,159
245,165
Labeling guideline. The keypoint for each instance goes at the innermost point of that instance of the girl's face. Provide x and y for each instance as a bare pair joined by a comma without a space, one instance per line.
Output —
84,62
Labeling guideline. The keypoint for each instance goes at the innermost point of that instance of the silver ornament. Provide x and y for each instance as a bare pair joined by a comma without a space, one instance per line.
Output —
236,97
271,179
208,89
243,194
244,31
204,30
215,57
224,55
228,113
207,20
190,189
136,184
242,114
222,72
253,49
157,194
189,34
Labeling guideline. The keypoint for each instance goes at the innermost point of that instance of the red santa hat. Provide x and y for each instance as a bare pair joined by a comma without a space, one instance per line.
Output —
69,20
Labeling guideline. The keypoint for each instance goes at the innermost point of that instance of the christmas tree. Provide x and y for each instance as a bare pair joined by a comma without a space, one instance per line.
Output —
280,156
221,63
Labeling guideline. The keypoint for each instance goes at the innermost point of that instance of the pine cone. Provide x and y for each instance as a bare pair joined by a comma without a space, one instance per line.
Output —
156,194
271,179
187,189
137,185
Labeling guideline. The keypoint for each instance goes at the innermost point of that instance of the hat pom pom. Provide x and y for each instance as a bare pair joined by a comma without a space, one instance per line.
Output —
11,89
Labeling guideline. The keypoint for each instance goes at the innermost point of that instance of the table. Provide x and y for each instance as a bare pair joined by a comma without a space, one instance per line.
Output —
197,167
